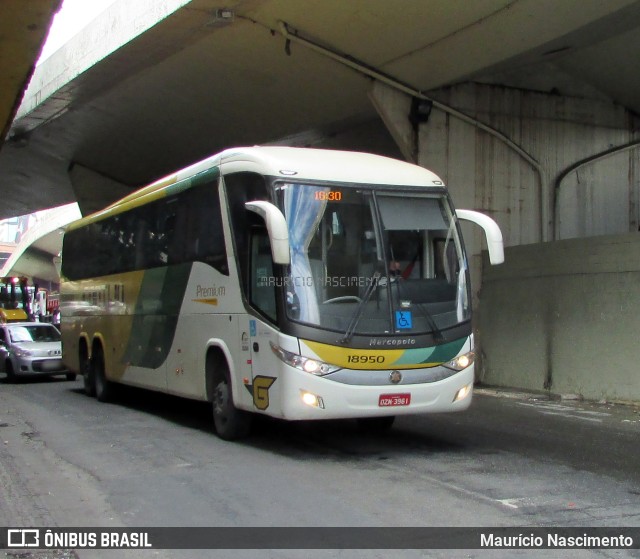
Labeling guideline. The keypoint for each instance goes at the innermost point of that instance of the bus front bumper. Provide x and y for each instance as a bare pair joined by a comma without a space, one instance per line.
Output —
308,397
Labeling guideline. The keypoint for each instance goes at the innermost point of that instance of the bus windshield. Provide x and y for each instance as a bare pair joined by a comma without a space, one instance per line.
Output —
373,260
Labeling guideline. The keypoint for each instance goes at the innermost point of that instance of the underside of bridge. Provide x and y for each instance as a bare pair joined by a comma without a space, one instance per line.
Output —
149,87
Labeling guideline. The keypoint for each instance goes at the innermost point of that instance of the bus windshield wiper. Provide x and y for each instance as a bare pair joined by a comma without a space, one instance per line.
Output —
358,314
437,333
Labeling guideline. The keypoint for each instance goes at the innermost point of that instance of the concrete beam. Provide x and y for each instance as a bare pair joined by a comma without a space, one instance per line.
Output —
53,82
393,107
23,29
94,191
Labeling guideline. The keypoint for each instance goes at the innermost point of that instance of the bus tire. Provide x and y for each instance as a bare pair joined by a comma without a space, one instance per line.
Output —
87,373
376,424
230,423
104,388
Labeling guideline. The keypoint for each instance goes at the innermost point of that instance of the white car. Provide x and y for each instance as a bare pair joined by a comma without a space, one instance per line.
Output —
31,348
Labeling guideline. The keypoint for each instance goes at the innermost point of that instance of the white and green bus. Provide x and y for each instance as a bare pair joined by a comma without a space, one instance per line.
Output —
298,283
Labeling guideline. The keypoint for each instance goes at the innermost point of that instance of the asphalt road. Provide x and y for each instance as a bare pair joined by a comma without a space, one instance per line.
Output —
152,460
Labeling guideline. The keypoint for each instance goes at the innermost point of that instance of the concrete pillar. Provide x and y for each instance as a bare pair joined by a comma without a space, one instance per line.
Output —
393,107
94,191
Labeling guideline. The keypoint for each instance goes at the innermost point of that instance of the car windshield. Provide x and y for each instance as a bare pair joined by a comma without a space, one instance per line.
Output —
35,333
373,261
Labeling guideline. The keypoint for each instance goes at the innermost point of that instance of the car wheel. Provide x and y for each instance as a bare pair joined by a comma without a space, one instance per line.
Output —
104,388
230,422
70,376
8,368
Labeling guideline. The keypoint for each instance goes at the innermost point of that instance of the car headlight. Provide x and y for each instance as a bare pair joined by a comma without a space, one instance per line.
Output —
306,364
461,362
19,352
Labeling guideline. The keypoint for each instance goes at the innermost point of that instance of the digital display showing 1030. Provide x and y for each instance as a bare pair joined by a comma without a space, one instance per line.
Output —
328,195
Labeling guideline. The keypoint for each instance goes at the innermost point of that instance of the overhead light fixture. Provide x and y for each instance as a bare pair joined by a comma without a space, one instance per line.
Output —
221,16
225,14
420,111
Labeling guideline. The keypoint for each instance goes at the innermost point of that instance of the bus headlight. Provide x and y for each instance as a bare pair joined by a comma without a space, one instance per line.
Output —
306,364
461,362
462,393
312,399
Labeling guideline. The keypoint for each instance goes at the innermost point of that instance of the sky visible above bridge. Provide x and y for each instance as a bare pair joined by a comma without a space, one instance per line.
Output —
72,17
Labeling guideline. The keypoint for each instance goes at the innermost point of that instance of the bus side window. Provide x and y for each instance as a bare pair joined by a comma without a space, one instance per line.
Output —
204,233
174,237
262,289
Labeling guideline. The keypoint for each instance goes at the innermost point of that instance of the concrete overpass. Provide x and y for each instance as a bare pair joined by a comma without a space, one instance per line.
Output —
527,108
144,80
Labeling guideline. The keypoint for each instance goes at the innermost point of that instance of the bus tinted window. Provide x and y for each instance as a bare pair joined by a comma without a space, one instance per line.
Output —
242,188
182,228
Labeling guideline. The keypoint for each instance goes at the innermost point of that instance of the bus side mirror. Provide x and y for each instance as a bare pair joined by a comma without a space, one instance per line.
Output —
276,227
492,232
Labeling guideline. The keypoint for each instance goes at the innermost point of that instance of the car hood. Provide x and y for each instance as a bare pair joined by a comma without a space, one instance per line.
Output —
40,349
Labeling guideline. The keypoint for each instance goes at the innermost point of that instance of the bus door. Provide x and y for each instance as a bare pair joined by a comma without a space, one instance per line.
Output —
261,333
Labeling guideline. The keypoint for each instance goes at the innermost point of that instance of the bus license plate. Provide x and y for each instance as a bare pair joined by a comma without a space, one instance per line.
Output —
387,400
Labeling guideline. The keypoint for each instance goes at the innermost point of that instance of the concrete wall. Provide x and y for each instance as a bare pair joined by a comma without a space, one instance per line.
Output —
564,316
557,131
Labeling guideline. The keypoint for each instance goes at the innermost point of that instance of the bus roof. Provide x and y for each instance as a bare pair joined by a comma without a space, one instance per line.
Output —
293,164
320,164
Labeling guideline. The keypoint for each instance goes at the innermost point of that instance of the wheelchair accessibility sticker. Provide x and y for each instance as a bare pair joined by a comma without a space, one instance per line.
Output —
404,320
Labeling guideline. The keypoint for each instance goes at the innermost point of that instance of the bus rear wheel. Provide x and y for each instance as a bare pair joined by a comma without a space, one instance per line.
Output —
230,423
104,388
86,371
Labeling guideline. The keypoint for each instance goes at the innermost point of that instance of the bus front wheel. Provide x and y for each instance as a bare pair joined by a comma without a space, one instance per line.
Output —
230,423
